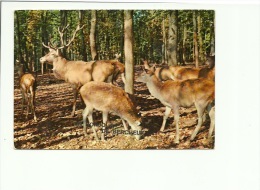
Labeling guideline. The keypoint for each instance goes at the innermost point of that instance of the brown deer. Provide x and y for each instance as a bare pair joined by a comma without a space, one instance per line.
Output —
107,98
182,73
77,73
27,83
176,94
208,72
119,69
161,73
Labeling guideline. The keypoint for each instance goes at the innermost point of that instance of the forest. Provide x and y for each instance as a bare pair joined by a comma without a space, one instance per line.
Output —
163,38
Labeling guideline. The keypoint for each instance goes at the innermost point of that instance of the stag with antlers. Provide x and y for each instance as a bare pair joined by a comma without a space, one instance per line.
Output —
77,73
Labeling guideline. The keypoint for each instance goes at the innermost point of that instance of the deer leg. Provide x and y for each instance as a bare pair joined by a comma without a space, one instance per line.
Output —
23,100
32,103
123,77
165,117
125,124
212,121
88,113
176,122
85,114
28,105
75,95
42,68
104,124
200,110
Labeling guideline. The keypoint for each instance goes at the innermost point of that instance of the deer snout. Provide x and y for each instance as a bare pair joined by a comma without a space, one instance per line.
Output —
42,60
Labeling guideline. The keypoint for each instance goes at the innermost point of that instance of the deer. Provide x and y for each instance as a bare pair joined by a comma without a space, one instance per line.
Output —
161,73
27,83
77,73
106,98
175,94
208,72
182,73
119,69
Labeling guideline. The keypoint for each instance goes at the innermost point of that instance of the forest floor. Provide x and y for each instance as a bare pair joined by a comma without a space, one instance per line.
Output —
56,129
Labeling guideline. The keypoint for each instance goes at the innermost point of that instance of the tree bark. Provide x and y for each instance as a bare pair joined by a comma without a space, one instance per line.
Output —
20,55
212,40
172,38
128,47
201,55
64,21
92,35
164,46
195,42
83,45
184,44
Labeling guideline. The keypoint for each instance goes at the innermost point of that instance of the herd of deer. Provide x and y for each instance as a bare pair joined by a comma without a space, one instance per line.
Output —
174,86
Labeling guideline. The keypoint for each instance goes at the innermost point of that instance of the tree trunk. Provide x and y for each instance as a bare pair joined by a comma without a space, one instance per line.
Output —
172,38
20,55
44,36
64,21
92,35
184,44
164,46
129,65
83,45
200,38
212,40
122,36
196,52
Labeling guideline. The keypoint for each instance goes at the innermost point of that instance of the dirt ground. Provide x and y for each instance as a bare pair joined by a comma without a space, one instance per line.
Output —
55,129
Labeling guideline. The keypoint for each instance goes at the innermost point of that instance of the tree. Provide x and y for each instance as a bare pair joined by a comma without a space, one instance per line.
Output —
83,45
172,38
92,35
195,41
200,37
128,47
212,36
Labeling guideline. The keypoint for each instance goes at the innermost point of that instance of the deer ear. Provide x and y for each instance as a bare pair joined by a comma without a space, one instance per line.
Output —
146,70
153,68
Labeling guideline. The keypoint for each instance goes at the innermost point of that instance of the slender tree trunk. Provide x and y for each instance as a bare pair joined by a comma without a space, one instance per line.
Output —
64,21
122,36
172,38
196,52
184,43
129,65
92,35
164,46
201,55
212,40
20,55
83,45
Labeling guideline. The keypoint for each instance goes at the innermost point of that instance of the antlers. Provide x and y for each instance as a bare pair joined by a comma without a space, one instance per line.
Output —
61,32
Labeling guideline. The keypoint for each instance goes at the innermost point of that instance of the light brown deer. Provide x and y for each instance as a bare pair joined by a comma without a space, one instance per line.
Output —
161,73
119,69
182,73
176,94
208,72
107,98
77,73
27,83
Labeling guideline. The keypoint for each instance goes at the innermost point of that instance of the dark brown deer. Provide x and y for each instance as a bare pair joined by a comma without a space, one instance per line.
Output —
27,83
107,98
77,73
176,94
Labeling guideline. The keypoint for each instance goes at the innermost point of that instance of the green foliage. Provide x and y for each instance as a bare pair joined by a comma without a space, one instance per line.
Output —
37,26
